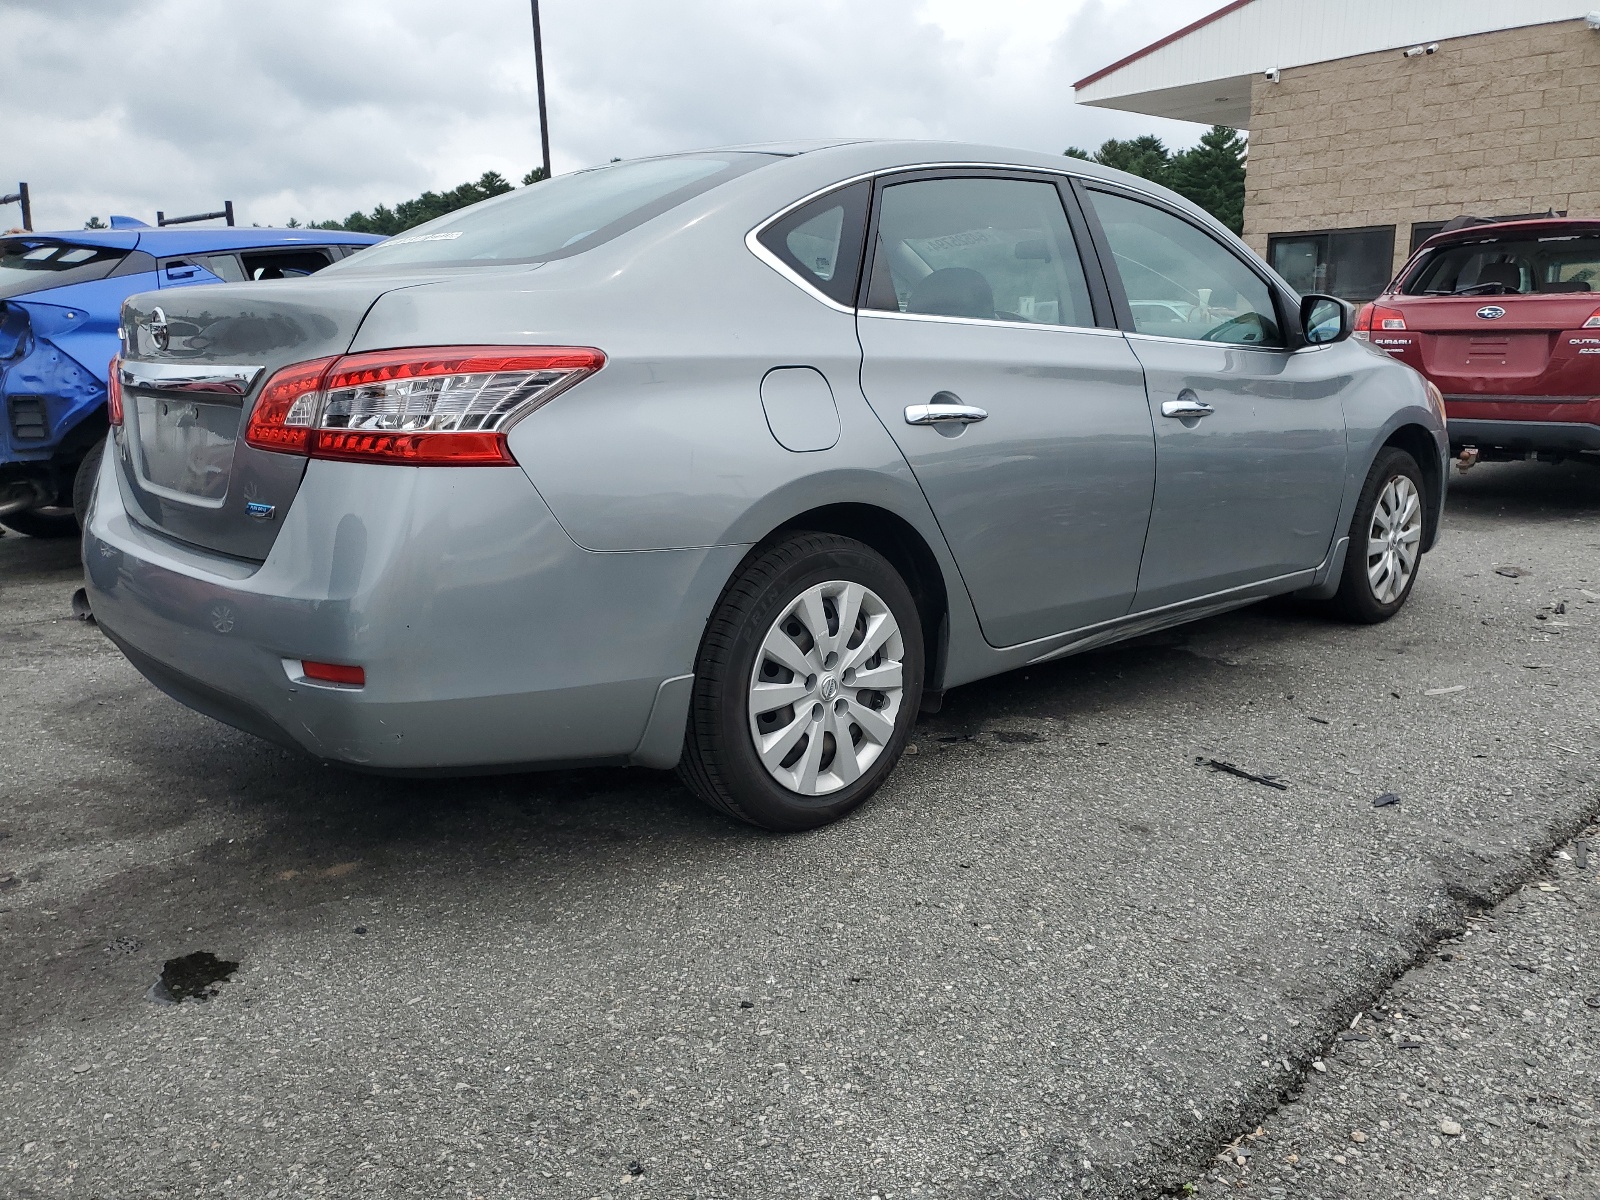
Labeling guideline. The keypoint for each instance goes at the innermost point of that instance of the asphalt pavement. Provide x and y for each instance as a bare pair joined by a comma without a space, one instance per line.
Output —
1055,956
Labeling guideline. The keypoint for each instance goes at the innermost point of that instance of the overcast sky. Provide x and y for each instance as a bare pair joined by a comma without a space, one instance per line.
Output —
314,108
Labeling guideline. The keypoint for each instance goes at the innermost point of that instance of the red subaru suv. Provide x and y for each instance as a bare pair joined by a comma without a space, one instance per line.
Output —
1505,320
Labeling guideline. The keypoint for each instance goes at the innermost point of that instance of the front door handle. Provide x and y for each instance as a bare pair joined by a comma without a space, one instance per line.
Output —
1186,408
938,414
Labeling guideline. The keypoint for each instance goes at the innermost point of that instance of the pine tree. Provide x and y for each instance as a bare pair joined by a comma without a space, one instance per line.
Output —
95,223
1212,175
408,213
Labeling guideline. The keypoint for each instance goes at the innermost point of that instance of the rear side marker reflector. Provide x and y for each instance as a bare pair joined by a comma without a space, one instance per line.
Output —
114,391
334,673
431,406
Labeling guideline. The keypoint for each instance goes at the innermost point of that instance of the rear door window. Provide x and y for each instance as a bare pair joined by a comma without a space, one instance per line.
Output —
1180,281
985,248
284,264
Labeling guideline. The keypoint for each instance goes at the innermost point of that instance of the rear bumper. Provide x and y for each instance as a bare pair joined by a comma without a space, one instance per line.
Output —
1569,436
490,640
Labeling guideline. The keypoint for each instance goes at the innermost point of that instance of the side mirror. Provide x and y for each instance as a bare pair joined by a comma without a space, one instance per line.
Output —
1326,319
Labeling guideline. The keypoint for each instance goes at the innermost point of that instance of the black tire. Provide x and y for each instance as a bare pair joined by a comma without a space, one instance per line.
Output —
36,523
1356,599
720,762
83,482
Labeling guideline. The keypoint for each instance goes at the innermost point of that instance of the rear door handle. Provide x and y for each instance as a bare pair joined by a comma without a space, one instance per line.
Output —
938,414
1186,408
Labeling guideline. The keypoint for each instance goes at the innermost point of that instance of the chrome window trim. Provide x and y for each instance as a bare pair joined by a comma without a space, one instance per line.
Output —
752,240
1156,337
190,379
936,317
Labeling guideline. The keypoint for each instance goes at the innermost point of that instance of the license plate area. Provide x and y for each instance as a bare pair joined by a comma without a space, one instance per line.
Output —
184,450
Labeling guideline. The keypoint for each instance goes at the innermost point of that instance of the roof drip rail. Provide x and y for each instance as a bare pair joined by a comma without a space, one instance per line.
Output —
226,213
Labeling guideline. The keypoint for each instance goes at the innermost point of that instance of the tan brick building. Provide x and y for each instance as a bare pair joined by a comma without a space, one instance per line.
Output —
1372,123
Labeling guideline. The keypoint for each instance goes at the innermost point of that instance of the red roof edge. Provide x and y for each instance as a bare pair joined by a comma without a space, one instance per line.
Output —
1166,41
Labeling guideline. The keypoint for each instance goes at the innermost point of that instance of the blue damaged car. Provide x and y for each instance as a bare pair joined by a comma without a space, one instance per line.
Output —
60,294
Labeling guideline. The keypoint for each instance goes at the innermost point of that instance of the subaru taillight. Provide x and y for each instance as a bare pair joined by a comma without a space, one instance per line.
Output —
1375,318
1594,320
432,406
114,390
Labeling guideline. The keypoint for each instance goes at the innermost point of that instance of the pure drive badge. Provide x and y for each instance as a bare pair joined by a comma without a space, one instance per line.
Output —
1490,312
260,511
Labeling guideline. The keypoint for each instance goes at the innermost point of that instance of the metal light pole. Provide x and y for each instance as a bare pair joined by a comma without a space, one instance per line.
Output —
538,72
20,196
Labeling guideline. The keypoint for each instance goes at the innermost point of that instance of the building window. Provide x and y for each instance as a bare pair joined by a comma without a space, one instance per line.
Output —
1421,231
1353,264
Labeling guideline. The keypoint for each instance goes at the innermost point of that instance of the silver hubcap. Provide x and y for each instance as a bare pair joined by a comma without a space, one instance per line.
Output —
826,689
1393,540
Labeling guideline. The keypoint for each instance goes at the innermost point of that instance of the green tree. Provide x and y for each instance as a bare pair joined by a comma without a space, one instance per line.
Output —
1146,156
1212,175
408,213
95,223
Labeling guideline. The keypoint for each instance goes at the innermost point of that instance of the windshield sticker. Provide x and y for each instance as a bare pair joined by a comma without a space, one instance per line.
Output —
427,237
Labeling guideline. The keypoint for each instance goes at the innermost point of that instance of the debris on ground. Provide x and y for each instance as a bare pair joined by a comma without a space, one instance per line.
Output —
1385,800
1511,572
1445,691
1228,768
195,976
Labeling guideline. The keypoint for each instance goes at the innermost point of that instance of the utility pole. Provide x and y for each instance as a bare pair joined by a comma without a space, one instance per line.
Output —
538,74
20,196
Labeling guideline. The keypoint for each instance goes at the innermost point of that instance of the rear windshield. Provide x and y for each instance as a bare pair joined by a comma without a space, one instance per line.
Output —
1510,266
31,264
557,218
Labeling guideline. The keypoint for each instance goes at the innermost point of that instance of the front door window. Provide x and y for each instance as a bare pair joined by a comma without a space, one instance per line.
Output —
1180,281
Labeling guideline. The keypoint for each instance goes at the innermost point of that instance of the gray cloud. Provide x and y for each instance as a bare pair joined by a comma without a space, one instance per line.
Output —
314,108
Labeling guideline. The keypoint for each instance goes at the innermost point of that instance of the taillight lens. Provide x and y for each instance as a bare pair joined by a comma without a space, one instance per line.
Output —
1594,320
287,408
114,390
1376,318
434,406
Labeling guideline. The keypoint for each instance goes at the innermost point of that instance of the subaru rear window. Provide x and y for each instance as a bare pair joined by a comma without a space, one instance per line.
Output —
31,264
1510,266
557,218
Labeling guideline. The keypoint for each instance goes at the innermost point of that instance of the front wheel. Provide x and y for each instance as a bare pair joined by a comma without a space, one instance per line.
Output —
1385,551
807,684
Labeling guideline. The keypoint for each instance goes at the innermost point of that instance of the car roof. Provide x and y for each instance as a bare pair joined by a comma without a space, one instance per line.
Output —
162,242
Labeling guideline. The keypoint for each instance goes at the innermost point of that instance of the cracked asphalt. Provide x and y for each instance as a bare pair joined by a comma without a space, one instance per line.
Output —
1055,956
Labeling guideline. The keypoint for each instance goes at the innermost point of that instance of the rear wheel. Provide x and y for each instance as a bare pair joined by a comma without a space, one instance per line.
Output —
83,482
808,682
1385,540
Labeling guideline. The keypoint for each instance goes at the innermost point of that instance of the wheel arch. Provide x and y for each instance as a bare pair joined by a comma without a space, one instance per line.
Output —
1421,444
909,553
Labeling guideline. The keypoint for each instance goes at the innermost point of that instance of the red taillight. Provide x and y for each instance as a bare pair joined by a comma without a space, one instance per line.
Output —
1594,320
287,408
114,390
432,406
1375,318
334,673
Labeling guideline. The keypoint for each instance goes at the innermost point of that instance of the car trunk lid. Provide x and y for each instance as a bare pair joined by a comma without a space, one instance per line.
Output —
1500,346
195,361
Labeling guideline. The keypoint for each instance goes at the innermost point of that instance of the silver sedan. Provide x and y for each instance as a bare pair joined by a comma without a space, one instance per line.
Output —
736,461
